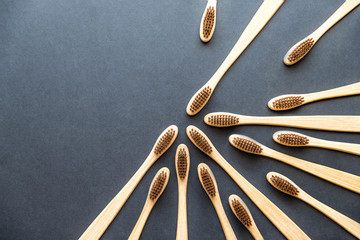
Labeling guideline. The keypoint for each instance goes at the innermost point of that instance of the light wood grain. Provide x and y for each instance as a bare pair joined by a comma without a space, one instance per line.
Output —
257,23
347,223
280,220
253,229
148,206
341,12
210,3
340,178
182,225
348,90
103,220
216,201
339,123
351,148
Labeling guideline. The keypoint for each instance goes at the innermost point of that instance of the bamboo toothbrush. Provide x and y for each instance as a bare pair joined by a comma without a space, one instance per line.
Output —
290,101
208,182
157,187
182,165
300,49
294,139
259,20
282,222
330,123
242,212
208,21
103,220
343,179
287,186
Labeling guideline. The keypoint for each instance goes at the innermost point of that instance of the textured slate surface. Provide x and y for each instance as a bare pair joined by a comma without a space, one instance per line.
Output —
87,87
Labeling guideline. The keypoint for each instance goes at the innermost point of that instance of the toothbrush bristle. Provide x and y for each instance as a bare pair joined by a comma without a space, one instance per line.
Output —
284,185
288,102
200,141
209,21
247,145
182,162
292,139
200,99
164,141
241,212
208,182
223,120
301,50
158,185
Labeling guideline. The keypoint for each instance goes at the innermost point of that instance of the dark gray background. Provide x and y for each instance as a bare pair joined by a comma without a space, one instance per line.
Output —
87,86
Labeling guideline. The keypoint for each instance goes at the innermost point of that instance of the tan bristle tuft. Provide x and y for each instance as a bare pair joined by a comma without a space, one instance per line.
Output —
288,102
284,185
301,50
241,213
164,141
207,182
247,145
223,120
201,141
209,21
182,163
200,99
292,139
157,186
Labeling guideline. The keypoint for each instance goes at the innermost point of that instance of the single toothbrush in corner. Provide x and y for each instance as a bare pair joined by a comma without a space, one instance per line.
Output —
280,220
257,23
182,165
290,101
287,186
242,212
157,187
208,21
208,182
300,49
338,123
340,178
294,139
103,220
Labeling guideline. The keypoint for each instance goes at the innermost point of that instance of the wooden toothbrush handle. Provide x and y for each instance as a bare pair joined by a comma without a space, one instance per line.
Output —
139,226
182,228
347,223
255,233
341,12
228,231
280,220
343,179
347,90
103,220
329,123
338,146
267,9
